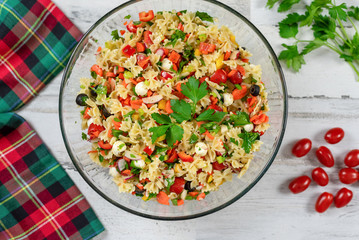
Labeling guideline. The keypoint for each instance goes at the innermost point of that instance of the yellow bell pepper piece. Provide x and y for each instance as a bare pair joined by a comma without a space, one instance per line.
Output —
233,40
219,62
144,198
210,179
225,109
197,52
135,116
177,168
162,104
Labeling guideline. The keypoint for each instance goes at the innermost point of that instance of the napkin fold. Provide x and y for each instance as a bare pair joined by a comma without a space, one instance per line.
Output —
36,40
38,200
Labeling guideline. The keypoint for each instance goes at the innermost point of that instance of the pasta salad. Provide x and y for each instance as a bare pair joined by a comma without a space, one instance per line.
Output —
173,107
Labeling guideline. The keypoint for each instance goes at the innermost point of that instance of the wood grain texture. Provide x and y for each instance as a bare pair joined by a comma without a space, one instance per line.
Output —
323,95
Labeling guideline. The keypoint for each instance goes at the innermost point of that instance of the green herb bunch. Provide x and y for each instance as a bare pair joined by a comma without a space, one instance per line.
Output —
327,20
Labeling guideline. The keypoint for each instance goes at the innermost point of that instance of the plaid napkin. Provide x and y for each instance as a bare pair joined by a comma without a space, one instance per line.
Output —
36,40
38,200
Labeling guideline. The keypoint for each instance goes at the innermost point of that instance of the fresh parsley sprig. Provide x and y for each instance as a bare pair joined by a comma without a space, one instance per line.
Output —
195,91
326,19
248,139
172,131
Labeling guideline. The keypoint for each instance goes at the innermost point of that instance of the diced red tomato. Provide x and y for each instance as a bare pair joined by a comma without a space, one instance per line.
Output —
104,145
178,185
185,157
96,68
235,76
94,130
128,51
215,107
220,76
86,113
147,39
148,150
218,166
172,155
206,48
132,27
146,16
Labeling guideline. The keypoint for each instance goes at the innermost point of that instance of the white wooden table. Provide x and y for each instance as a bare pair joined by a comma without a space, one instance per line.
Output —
323,95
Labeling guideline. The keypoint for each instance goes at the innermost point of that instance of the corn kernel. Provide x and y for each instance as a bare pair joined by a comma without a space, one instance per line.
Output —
210,179
197,52
135,116
162,104
225,109
219,62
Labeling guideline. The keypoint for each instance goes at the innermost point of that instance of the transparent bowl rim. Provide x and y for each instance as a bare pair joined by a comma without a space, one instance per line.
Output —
229,202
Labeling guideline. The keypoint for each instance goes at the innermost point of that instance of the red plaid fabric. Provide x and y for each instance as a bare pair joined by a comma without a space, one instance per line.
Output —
36,40
38,200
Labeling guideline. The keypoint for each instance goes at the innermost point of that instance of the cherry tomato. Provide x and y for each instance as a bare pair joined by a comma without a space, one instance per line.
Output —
302,147
348,175
299,184
178,185
324,201
320,176
219,76
352,158
325,156
235,77
94,130
343,197
334,135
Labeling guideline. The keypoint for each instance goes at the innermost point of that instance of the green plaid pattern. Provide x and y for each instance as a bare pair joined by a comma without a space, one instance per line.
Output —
36,40
38,200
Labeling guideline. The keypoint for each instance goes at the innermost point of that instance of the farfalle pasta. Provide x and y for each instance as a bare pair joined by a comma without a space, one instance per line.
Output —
174,107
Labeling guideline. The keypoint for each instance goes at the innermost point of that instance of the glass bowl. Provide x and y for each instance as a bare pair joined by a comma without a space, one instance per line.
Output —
98,178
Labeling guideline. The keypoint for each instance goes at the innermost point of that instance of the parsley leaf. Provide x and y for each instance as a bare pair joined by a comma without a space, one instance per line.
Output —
288,27
170,182
211,115
174,133
127,17
100,90
339,12
193,139
194,90
84,136
161,118
239,119
204,16
158,132
116,133
181,110
176,36
248,139
115,35
293,58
